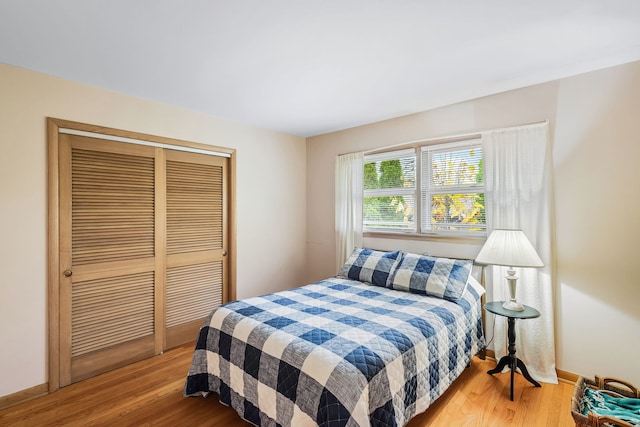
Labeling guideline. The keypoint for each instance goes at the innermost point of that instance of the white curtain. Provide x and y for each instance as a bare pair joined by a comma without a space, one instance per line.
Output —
519,195
349,183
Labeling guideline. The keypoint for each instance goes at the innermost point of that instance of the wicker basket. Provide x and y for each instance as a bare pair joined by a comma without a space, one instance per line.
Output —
599,383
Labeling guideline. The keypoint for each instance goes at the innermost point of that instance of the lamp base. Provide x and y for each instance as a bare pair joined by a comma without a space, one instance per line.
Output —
513,306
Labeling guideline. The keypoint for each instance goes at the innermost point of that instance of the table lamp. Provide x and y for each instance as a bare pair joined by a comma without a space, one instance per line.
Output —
509,248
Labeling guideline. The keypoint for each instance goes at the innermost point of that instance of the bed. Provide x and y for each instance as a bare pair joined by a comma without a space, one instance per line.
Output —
375,345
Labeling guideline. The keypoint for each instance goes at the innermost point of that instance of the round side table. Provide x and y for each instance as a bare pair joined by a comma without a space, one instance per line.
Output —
510,359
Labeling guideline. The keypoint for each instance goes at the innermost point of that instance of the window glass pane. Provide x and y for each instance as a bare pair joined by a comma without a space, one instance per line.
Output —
389,212
397,172
456,211
460,167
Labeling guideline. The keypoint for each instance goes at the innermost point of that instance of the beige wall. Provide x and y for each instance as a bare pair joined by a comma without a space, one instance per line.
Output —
595,130
271,194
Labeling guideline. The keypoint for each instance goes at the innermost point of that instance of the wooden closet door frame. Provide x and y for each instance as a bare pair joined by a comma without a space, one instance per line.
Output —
54,127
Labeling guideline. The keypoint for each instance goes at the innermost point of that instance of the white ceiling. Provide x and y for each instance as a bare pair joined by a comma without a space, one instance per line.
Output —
309,67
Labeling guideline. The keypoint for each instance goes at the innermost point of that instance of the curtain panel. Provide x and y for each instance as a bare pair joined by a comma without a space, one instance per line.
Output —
518,177
348,192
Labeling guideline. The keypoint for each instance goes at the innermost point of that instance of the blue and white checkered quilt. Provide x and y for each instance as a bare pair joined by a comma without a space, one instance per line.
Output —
335,353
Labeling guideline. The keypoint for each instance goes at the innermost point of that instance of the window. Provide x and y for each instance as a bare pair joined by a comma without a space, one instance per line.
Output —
453,188
390,191
448,199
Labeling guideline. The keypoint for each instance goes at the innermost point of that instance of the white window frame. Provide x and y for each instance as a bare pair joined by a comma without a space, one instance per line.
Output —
423,190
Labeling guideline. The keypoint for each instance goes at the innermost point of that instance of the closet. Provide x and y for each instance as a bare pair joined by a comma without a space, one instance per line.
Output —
139,248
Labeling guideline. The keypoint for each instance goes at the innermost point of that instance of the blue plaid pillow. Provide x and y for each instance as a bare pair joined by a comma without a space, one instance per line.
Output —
367,265
439,277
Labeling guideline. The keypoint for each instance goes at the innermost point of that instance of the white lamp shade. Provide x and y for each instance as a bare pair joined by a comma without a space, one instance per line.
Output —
509,248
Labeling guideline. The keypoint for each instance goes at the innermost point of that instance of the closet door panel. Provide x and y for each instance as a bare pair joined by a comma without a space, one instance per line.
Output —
111,311
195,209
196,240
113,206
107,218
190,286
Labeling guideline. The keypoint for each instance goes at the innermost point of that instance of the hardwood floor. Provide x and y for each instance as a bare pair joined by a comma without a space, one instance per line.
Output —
149,393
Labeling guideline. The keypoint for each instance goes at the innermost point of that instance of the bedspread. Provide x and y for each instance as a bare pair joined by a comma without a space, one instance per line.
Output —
336,352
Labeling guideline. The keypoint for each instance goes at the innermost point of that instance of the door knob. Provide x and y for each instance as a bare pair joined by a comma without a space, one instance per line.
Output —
224,253
67,273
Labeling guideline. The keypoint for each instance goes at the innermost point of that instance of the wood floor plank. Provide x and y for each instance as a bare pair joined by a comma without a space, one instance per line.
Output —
149,393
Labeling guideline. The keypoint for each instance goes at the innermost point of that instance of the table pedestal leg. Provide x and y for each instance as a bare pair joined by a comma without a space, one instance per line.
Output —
511,360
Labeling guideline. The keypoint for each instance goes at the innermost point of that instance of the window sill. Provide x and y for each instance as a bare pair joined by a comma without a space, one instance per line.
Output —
469,240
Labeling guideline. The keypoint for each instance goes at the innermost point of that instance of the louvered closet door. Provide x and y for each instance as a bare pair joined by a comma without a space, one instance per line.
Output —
196,240
107,255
